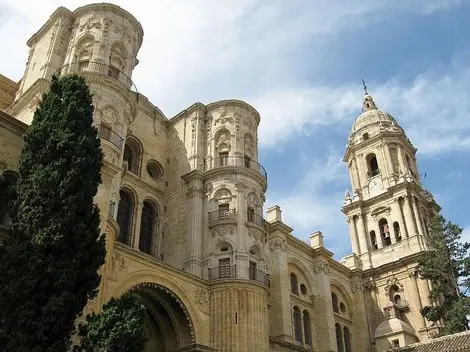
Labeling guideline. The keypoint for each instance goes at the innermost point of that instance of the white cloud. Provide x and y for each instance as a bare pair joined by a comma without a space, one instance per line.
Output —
465,237
433,108
310,205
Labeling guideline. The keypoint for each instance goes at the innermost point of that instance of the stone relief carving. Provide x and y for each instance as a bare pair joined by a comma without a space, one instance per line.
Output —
223,231
208,189
258,236
357,287
89,24
249,145
118,264
123,32
202,299
195,190
321,268
393,281
108,114
224,118
277,243
252,199
111,158
241,185
249,125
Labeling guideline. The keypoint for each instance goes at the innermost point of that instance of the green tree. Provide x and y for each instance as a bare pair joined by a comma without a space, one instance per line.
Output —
48,266
118,328
447,266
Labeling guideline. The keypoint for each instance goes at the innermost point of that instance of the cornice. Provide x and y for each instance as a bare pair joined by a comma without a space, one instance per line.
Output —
137,181
186,112
148,261
11,124
114,9
235,171
38,87
194,175
278,225
402,261
289,345
234,102
58,13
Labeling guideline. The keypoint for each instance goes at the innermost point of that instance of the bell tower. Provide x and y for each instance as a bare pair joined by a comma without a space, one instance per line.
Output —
388,209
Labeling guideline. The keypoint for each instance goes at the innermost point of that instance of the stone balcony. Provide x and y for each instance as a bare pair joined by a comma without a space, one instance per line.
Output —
97,68
236,162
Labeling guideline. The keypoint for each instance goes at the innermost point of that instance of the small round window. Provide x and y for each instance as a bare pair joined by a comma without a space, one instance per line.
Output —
155,170
303,289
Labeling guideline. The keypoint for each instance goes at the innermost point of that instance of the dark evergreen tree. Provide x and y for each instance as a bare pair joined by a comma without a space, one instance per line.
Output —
447,266
48,267
118,328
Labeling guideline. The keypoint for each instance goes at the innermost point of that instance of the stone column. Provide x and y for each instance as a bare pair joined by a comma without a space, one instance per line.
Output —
195,197
323,311
353,234
378,234
417,217
137,225
401,162
415,300
401,218
361,234
409,221
358,183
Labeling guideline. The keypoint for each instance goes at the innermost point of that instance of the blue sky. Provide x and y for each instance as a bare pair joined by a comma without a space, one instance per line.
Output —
300,64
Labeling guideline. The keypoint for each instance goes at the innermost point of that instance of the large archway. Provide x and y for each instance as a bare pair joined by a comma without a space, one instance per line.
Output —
168,325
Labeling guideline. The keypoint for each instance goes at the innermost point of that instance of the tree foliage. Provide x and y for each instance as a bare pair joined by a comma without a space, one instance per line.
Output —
118,328
447,266
48,266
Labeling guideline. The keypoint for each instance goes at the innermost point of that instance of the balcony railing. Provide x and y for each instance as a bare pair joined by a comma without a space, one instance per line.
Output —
220,215
110,136
255,219
235,161
111,207
258,275
373,173
402,304
223,272
86,67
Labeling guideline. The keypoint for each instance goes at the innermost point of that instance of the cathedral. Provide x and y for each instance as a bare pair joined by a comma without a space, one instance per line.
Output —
182,205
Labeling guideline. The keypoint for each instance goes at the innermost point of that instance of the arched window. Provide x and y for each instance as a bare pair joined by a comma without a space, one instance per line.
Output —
334,302
307,329
132,155
372,165
297,324
124,217
339,338
148,226
7,181
396,230
373,240
294,284
385,232
347,340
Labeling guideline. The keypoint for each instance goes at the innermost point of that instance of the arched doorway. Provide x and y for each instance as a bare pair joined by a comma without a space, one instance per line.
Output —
168,325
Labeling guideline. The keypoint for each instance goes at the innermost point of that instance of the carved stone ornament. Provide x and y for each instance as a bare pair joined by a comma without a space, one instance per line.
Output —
321,268
224,118
257,235
222,231
393,281
241,185
89,24
118,264
202,299
277,243
208,189
357,287
195,190
248,124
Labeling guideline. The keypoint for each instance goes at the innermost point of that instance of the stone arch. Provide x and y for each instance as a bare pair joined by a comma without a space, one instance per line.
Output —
222,138
219,242
167,283
133,153
342,292
303,271
126,215
84,49
118,56
223,193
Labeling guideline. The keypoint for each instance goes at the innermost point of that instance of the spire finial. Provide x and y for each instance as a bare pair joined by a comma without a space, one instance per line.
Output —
365,87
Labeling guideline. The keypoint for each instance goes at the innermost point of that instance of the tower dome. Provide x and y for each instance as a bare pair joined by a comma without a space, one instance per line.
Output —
371,115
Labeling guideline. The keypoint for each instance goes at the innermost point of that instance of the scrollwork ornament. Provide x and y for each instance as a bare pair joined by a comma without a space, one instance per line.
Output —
321,268
202,299
222,231
277,243
357,287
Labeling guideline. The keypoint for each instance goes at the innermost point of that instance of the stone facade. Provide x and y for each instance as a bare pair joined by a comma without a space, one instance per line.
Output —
182,203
